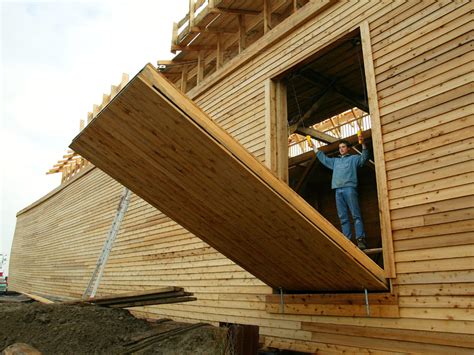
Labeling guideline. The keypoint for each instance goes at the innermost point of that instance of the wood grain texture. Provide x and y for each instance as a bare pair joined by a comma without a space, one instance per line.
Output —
218,191
58,239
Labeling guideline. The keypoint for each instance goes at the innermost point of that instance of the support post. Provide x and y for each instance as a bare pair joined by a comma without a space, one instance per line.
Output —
219,52
380,171
184,79
200,67
276,130
191,14
267,16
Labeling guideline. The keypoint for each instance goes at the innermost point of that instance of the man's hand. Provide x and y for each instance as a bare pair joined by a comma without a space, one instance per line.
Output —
315,147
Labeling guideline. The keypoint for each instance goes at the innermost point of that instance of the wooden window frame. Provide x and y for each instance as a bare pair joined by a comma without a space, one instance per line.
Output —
276,150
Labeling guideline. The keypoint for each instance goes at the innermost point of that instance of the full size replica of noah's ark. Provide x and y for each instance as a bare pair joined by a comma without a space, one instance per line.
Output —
229,202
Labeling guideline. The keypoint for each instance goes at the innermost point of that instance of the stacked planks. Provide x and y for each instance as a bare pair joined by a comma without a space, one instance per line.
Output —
136,299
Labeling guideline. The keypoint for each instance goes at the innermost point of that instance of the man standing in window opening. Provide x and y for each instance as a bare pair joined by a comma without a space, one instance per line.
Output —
344,181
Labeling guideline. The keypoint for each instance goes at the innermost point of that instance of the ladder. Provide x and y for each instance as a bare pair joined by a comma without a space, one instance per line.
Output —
93,284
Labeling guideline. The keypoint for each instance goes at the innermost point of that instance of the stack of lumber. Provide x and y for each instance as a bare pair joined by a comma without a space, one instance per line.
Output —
158,296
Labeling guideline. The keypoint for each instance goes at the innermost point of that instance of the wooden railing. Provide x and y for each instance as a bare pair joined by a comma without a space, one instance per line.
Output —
343,130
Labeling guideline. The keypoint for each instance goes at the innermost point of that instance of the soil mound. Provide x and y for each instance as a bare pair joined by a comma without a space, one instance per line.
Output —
90,329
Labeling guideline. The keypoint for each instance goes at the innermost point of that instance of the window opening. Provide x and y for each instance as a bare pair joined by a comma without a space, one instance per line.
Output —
327,100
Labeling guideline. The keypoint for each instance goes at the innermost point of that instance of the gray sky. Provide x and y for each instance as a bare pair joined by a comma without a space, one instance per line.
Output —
57,58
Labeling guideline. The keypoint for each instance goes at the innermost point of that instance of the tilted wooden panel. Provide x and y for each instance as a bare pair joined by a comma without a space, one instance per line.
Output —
155,141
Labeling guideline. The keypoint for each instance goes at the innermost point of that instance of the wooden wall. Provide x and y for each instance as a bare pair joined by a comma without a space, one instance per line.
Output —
422,54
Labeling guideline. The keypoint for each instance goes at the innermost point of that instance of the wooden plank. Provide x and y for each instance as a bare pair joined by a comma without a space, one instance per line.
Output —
435,242
334,299
434,218
378,311
465,189
153,302
453,264
437,289
435,230
38,298
443,171
454,283
353,305
380,170
456,251
436,302
248,252
454,153
418,336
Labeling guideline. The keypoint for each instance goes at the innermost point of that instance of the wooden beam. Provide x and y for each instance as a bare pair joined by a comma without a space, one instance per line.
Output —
276,148
234,11
242,33
314,133
312,110
219,52
319,79
377,142
267,16
197,29
200,67
170,63
174,36
412,335
37,298
184,78
191,13
381,305
281,112
192,48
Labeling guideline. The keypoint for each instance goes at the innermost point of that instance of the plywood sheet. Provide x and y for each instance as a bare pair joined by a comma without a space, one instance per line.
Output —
158,143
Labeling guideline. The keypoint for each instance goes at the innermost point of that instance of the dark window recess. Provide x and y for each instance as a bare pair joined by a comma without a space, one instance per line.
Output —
327,99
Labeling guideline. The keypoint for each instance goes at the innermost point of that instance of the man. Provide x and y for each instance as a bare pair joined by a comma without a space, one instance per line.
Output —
344,181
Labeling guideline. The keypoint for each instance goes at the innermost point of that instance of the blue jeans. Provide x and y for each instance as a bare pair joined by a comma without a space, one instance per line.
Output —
348,199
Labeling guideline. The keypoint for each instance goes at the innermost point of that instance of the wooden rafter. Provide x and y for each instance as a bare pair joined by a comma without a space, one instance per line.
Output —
205,23
234,11
320,79
191,48
314,133
198,29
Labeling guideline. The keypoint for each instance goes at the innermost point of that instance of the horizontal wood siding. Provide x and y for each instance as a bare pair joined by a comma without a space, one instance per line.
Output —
424,81
422,52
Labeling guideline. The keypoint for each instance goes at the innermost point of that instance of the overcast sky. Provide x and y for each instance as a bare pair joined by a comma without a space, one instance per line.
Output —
57,59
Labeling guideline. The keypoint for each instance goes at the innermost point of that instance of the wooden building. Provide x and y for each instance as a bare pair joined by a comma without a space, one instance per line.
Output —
263,72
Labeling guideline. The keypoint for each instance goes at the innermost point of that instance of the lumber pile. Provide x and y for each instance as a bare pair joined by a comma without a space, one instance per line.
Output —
135,299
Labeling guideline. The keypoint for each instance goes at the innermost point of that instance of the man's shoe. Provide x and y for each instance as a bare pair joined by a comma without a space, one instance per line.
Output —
362,244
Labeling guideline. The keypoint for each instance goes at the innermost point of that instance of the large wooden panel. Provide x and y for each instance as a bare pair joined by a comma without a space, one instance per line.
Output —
155,141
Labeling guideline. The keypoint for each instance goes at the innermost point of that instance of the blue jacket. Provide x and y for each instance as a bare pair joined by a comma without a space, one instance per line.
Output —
344,168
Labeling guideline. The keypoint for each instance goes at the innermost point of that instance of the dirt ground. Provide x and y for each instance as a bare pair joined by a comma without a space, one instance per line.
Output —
89,329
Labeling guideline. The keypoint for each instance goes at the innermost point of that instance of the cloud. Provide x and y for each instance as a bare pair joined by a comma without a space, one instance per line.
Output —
57,59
